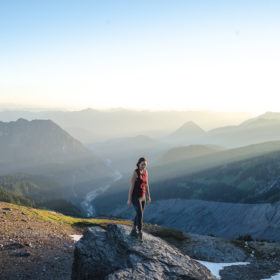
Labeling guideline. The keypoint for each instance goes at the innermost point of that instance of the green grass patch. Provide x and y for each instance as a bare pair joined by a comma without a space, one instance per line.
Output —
55,217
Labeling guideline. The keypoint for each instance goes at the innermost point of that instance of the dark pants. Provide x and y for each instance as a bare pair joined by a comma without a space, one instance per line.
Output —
139,207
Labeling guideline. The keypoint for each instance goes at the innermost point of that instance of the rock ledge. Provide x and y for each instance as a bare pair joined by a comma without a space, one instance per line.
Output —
114,254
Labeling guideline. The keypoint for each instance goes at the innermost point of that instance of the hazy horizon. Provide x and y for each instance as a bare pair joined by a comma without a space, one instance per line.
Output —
34,108
158,55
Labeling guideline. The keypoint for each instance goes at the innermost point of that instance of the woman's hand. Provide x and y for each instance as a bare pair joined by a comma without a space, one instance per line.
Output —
129,202
149,199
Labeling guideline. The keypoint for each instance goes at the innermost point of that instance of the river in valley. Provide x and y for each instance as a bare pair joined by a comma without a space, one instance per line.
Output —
87,204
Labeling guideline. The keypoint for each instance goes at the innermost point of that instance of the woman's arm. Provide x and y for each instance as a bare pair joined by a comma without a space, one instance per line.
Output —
148,187
132,182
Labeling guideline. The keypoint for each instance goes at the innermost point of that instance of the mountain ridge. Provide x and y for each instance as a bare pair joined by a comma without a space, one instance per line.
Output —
41,148
187,152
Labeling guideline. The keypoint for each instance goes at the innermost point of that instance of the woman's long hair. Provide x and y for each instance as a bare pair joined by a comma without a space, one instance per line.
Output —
140,160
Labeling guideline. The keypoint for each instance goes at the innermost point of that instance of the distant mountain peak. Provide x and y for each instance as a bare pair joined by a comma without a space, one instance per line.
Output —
25,121
22,120
266,119
39,141
187,133
270,115
188,129
190,124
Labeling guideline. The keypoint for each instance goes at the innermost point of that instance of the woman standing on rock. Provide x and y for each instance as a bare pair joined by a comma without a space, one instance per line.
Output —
138,193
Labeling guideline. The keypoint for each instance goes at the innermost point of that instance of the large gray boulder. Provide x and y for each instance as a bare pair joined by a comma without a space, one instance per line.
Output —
113,254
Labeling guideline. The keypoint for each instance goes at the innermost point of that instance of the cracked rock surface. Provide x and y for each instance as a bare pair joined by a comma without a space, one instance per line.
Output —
113,254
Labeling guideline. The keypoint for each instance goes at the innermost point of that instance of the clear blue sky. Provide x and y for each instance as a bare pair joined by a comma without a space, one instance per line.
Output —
216,55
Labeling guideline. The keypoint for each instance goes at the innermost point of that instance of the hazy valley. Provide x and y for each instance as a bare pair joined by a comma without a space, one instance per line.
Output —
223,182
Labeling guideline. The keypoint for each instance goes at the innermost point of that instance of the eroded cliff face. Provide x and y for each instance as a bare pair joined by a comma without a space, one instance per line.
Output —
114,254
222,219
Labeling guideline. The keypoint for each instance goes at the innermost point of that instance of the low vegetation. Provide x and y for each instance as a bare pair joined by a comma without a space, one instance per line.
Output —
55,217
12,197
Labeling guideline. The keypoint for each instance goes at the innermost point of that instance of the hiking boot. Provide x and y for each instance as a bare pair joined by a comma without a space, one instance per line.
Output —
140,235
133,232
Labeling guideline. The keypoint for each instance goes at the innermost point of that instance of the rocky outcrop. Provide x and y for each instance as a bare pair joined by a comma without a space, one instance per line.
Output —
202,247
213,249
114,254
